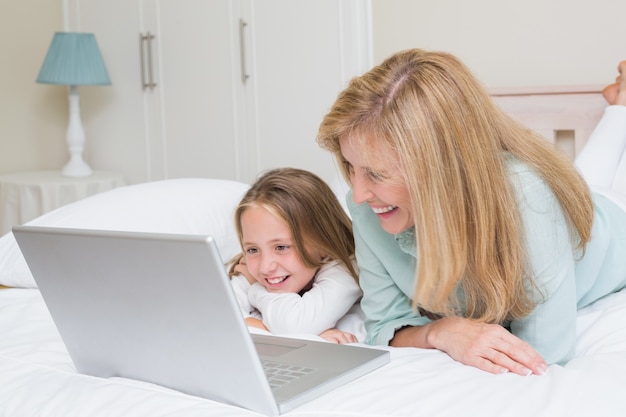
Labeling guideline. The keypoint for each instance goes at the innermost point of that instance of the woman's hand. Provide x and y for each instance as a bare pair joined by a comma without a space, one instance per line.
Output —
338,336
489,347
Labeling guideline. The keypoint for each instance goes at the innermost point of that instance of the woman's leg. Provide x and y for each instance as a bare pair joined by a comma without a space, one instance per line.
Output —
619,182
602,154
602,161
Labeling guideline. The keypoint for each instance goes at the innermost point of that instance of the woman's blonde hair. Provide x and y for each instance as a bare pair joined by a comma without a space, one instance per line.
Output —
310,210
452,143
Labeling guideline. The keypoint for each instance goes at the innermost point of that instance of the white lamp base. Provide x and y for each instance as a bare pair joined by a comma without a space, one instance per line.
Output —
76,167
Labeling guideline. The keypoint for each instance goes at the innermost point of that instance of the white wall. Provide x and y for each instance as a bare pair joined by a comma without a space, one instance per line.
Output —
33,117
507,43
511,43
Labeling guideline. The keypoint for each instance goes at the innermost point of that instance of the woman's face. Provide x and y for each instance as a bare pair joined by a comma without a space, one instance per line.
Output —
380,186
271,257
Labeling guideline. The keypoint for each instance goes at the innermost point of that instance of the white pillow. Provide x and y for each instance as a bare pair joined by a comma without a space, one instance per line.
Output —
184,206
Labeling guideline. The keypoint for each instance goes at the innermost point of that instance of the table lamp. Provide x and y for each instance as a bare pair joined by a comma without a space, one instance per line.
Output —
74,59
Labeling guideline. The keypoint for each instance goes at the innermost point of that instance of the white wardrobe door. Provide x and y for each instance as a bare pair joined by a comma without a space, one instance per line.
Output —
296,76
197,44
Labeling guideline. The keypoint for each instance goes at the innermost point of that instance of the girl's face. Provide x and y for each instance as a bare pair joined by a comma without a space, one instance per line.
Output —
380,187
271,257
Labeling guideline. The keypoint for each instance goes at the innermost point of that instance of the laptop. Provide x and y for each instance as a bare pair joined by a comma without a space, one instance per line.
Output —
160,308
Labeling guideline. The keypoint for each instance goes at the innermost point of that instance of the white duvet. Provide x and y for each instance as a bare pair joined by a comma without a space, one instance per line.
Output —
37,378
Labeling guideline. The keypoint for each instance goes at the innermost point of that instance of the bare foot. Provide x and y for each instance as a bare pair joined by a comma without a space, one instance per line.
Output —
610,93
616,93
621,96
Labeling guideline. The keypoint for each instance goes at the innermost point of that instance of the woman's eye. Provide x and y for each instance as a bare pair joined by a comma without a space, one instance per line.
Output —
376,176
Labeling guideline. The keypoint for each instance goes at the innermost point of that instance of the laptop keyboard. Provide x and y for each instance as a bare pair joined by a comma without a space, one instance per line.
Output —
279,374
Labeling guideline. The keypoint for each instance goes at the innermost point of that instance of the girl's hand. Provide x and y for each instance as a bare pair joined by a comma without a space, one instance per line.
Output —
338,336
489,347
242,269
253,322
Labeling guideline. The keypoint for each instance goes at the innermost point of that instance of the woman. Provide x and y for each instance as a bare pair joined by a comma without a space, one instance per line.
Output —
473,235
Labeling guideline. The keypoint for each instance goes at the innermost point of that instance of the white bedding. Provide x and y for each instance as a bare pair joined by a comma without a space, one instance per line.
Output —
37,377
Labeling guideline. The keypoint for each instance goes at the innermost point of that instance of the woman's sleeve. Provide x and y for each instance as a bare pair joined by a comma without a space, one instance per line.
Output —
387,278
551,328
334,291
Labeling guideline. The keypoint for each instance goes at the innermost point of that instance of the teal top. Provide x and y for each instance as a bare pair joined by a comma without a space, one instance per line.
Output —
387,266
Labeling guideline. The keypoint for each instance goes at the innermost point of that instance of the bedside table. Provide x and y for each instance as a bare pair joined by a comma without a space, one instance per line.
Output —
27,195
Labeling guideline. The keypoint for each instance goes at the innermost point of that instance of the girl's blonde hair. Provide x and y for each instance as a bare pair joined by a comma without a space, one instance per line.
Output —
309,208
452,143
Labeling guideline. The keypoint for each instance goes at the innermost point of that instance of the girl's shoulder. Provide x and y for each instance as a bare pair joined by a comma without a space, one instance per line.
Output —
334,270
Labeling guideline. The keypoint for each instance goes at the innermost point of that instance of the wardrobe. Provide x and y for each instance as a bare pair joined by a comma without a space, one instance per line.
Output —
217,88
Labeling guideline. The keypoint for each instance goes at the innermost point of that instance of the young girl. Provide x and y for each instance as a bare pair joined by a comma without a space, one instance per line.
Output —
297,272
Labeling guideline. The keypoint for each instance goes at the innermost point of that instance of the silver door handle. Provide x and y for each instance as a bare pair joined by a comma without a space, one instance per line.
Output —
145,59
242,49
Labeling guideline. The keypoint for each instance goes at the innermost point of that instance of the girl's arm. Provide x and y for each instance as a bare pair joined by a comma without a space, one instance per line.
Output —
338,336
254,322
240,287
334,291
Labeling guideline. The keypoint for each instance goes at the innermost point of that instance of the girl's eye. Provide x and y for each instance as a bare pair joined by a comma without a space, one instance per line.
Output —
251,251
282,248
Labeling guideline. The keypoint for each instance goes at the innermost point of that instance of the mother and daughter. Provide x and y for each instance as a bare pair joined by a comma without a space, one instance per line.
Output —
472,234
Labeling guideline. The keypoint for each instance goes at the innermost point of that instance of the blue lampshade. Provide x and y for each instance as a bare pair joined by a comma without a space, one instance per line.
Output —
73,59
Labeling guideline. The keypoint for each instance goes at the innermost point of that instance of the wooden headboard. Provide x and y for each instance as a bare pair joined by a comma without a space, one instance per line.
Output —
565,115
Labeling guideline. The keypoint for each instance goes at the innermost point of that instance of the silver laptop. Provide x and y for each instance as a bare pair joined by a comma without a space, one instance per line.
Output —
160,308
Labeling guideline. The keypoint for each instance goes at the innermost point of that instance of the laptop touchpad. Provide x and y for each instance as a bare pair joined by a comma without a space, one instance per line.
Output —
277,348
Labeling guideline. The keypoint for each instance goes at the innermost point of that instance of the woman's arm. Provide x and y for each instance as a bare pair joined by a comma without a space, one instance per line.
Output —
489,347
551,327
387,277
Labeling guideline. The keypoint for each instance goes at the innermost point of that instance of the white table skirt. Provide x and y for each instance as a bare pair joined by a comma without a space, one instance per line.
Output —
27,195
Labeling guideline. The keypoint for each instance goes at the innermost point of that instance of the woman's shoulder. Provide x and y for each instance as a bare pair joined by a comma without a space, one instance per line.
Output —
516,167
524,178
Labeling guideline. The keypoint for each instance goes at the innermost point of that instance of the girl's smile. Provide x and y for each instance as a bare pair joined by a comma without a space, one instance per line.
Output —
270,255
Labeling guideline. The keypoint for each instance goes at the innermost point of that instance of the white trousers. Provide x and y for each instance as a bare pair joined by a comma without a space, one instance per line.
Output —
602,161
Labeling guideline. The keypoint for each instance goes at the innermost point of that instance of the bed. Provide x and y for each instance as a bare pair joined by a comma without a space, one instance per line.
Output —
37,377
